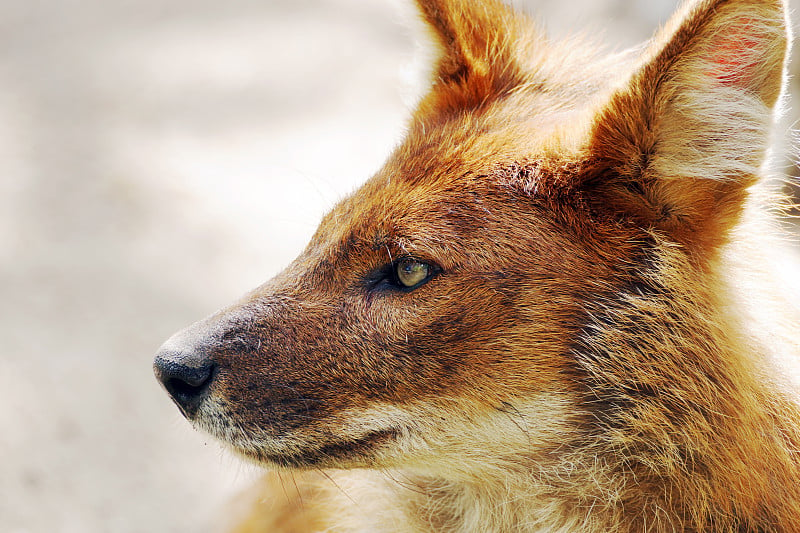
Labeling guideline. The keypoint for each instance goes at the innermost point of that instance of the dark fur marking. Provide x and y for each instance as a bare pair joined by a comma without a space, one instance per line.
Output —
338,451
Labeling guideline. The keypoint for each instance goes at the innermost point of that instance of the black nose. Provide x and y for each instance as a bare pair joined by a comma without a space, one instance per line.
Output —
186,374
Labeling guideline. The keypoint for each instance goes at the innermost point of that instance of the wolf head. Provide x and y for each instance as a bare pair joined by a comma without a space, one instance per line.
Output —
527,263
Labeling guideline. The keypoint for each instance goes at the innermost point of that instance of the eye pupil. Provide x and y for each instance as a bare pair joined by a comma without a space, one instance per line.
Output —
411,272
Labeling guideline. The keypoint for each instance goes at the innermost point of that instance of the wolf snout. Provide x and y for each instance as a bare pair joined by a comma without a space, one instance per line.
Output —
186,372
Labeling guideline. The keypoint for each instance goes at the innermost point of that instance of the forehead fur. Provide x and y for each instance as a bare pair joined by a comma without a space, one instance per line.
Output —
549,111
435,184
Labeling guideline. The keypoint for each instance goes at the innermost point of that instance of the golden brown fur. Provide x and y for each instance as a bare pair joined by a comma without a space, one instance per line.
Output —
601,341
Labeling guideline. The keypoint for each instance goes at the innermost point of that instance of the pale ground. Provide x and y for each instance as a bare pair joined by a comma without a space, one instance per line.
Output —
157,159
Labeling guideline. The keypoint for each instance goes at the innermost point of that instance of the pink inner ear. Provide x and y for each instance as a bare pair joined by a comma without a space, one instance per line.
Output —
735,55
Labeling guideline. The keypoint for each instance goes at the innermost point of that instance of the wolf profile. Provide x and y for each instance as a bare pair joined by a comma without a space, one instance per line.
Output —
553,308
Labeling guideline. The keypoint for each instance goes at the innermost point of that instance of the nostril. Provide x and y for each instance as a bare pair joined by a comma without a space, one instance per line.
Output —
189,376
186,377
183,389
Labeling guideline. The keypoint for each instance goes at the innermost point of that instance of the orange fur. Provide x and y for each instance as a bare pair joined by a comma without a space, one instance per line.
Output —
596,339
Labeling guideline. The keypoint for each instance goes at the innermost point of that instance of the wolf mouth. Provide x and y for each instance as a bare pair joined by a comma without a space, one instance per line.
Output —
327,455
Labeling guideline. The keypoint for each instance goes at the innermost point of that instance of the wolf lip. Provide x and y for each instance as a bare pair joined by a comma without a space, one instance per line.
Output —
326,455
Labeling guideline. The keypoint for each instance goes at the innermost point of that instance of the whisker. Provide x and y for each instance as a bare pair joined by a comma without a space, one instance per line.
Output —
338,487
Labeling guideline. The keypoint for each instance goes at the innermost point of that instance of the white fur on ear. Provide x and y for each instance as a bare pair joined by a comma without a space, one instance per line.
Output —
719,90
735,43
684,139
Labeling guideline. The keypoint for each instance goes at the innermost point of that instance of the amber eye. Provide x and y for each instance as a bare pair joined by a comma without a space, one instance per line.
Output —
411,273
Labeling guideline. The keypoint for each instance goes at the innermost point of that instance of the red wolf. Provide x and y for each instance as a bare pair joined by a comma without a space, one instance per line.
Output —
553,309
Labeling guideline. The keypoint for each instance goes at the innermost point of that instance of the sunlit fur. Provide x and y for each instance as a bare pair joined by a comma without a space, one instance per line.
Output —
610,340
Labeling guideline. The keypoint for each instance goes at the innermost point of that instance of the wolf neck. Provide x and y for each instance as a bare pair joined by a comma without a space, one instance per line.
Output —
516,502
692,405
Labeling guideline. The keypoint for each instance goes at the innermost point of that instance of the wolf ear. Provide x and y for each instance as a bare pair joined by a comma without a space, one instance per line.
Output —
481,43
678,146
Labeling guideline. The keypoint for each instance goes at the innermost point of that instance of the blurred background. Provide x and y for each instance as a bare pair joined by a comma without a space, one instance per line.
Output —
158,158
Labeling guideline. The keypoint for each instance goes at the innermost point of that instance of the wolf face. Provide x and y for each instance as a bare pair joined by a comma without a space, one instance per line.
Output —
414,299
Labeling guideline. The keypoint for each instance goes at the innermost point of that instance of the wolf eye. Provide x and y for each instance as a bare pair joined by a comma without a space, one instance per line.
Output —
404,275
411,272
